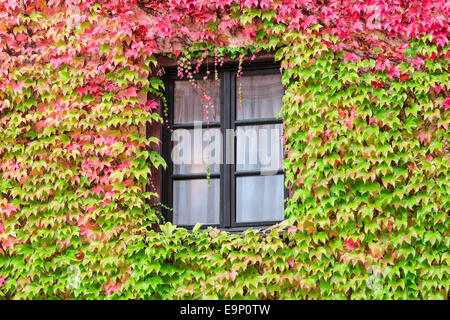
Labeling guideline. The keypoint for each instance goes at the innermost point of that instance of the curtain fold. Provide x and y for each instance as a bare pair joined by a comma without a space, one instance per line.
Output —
261,96
188,102
259,198
259,147
194,201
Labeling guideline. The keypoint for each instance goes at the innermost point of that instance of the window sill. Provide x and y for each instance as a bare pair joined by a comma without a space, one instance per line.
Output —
236,230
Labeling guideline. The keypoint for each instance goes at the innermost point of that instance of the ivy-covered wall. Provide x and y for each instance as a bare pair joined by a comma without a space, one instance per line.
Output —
366,115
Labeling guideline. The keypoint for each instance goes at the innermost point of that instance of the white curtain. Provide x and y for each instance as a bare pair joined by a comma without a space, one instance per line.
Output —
261,96
259,198
196,150
259,147
194,201
188,101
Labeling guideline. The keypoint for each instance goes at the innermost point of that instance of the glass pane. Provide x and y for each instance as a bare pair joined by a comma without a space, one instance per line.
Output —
259,147
194,201
259,198
196,149
261,96
188,101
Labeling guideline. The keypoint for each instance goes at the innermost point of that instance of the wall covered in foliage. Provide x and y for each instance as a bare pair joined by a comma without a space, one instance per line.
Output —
366,115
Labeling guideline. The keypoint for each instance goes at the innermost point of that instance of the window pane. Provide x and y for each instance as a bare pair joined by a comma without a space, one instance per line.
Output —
194,201
195,149
188,101
259,198
261,96
259,147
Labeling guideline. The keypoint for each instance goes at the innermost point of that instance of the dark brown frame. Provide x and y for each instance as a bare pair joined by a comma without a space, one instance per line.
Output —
228,174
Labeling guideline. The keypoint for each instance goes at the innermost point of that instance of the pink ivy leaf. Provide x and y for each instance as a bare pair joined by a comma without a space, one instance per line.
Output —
110,87
214,232
417,62
98,190
11,4
350,57
249,3
131,92
382,64
86,165
377,85
82,91
132,53
424,137
447,103
185,31
373,122
94,89
112,287
17,87
8,242
437,88
350,244
441,40
292,230
265,4
389,227
309,21
149,105
87,230
249,32
291,262
176,16
8,209
176,53
394,72
21,37
430,57
91,208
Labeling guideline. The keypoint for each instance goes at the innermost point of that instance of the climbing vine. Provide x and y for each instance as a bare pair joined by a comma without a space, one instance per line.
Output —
366,115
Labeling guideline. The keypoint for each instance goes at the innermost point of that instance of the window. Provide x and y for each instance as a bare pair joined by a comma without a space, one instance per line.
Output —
225,154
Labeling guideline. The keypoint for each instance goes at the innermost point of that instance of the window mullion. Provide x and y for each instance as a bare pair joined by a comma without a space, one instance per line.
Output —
232,112
225,167
167,181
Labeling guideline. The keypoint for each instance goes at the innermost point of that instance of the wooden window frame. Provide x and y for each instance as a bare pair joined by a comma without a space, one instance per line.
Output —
228,174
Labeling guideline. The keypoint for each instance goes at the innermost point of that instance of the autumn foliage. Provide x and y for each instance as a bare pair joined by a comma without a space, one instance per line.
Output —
366,115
